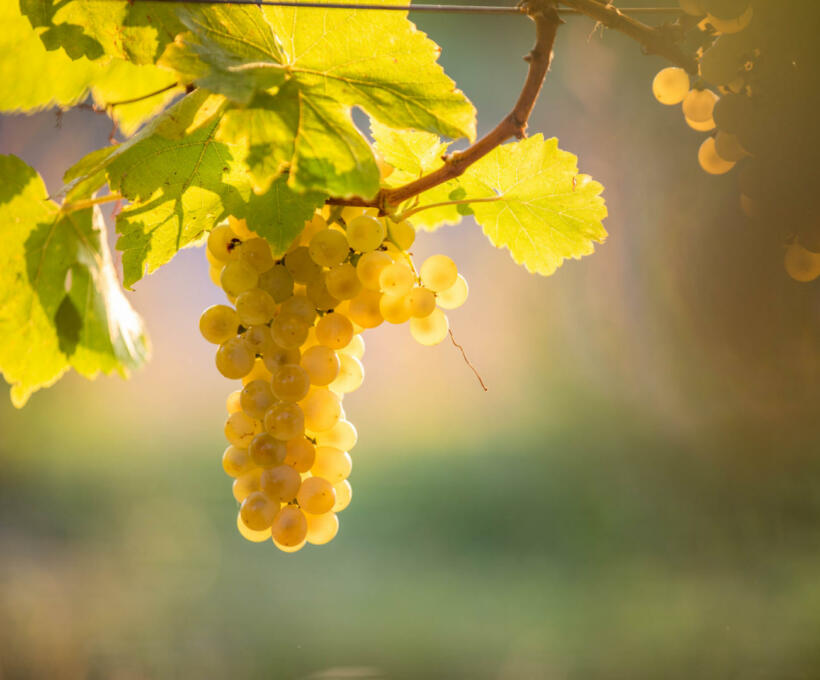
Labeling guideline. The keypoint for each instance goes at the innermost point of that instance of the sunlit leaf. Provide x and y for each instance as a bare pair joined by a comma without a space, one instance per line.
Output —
61,304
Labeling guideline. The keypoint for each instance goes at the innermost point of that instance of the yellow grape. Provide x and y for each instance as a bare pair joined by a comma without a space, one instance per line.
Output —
312,227
247,533
699,105
342,281
344,494
222,242
396,279
218,323
276,282
300,307
240,429
402,234
319,295
321,364
246,484
257,511
351,375
232,403
290,383
455,295
300,454
438,273
709,159
351,211
285,421
256,252
365,233
301,266
215,274
370,266
289,331
334,330
280,483
728,147
290,549
311,340
328,247
331,464
802,264
316,496
237,277
258,339
394,309
364,309
321,529
256,398
266,451
671,85
422,301
234,359
289,527
258,372
342,436
276,357
430,330
255,307
355,347
704,126
322,410
236,461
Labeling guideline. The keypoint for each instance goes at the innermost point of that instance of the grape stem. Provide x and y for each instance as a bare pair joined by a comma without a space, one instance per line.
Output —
464,201
545,16
653,40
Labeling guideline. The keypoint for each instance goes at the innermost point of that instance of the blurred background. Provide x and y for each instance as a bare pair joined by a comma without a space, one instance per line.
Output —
636,496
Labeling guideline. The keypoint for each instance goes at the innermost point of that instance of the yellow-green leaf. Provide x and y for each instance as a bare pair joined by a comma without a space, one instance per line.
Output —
61,304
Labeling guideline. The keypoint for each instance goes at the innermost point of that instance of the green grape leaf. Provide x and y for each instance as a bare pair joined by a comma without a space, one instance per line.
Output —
540,208
34,78
181,182
93,29
412,154
314,66
61,304
527,196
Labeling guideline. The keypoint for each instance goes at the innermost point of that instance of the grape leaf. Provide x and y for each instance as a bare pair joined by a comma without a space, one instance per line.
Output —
181,182
411,154
93,29
319,64
527,196
545,211
61,305
34,78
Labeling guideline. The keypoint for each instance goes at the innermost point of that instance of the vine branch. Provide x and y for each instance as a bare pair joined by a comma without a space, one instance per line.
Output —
546,18
653,40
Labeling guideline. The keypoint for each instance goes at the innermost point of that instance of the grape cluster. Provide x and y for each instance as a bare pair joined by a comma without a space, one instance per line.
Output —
759,58
292,335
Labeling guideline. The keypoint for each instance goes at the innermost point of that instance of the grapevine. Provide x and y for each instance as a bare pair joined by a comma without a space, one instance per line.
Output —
236,133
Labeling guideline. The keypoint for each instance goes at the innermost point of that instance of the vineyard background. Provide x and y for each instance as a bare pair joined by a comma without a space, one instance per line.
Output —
636,496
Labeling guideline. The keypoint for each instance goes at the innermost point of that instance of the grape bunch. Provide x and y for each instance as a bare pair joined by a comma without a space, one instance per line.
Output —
759,58
292,335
